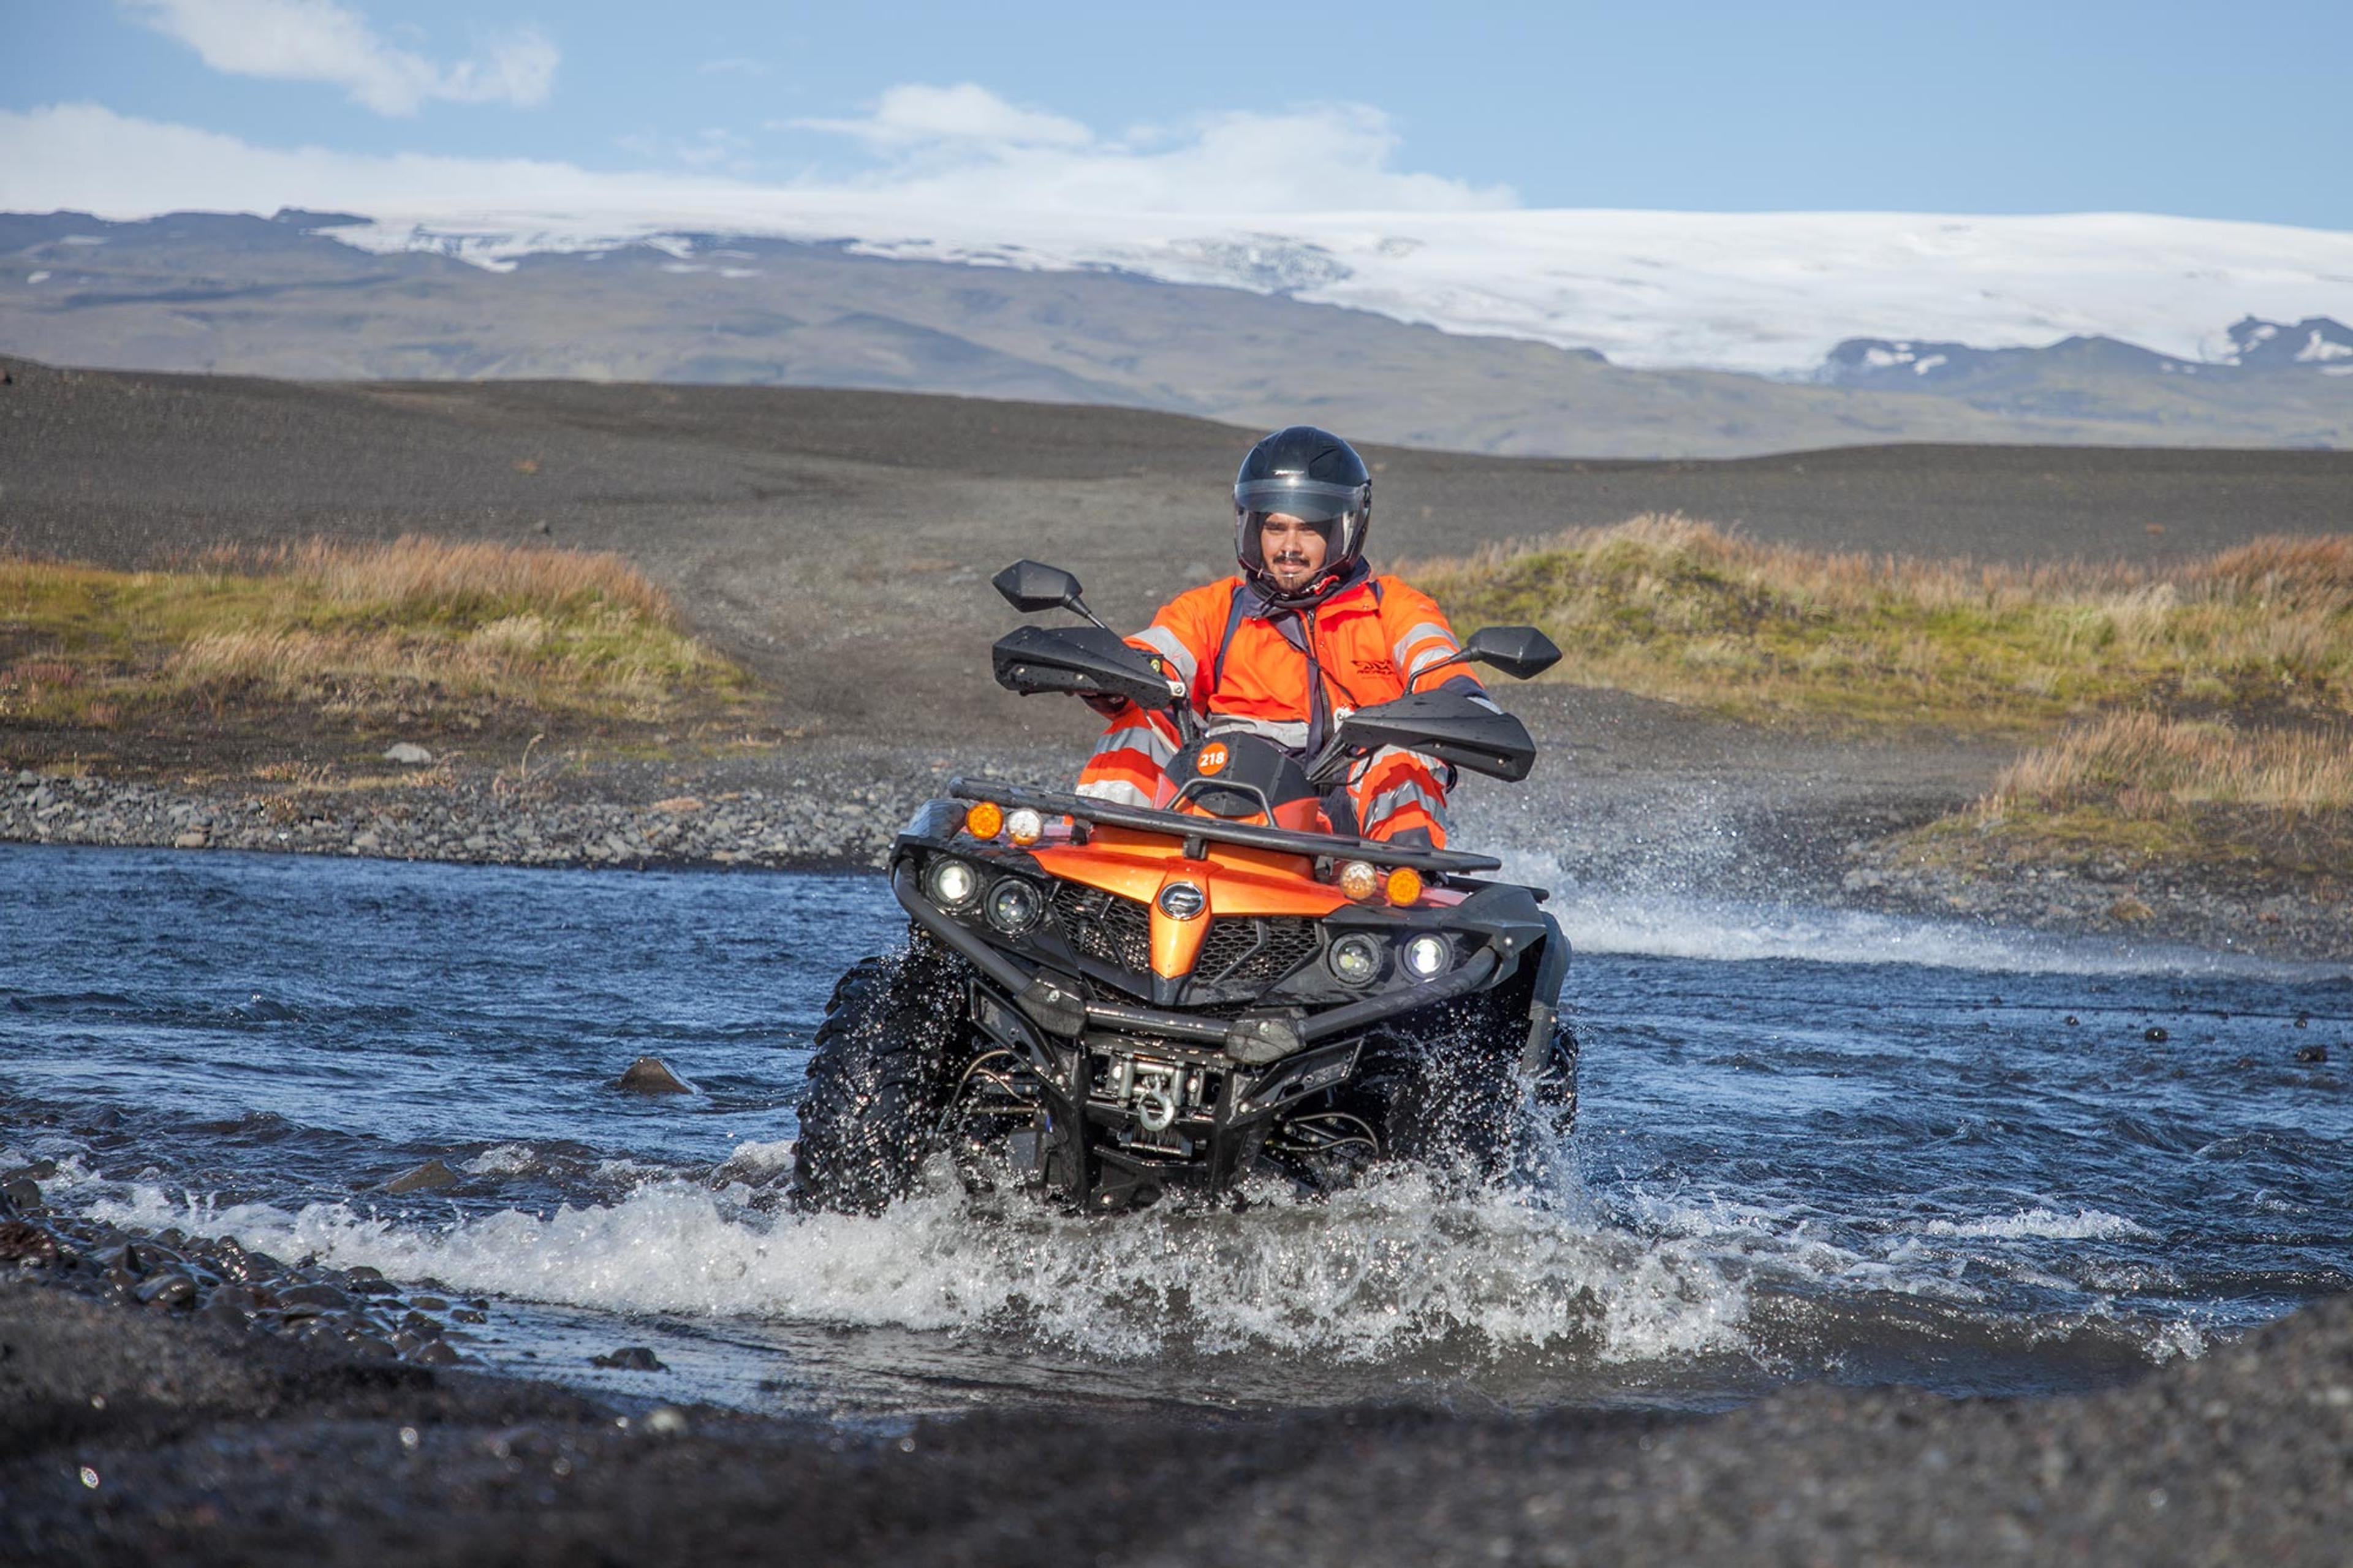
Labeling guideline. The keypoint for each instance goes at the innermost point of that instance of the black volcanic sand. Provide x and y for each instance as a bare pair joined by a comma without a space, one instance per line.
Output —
173,1431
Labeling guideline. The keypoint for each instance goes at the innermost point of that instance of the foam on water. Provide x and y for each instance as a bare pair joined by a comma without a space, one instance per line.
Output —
1368,1276
2039,1223
503,1160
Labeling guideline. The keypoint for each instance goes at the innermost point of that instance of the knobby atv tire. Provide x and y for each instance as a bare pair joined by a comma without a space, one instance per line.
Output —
887,1053
1452,1095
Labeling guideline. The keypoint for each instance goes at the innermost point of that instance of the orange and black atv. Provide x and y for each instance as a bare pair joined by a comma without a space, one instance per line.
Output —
1111,1003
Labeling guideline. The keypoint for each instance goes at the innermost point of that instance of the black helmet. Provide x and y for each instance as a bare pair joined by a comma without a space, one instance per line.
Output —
1314,476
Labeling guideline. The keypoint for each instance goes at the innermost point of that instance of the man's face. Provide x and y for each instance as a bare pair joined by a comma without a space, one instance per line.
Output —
1294,551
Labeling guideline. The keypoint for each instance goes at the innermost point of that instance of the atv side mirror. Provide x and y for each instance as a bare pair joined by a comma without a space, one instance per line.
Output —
1032,585
1519,652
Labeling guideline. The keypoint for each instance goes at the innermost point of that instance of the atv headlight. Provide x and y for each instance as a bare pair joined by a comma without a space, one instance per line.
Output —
1024,826
1014,905
1357,960
951,883
1426,956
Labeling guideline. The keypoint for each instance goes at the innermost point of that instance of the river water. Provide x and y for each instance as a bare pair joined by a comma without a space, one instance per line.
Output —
1811,1145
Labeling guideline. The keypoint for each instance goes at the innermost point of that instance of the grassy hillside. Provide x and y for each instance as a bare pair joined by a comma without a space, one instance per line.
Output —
351,642
1682,610
2196,715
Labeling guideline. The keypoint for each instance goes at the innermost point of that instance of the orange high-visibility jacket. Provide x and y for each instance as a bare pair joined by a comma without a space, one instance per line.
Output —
1370,640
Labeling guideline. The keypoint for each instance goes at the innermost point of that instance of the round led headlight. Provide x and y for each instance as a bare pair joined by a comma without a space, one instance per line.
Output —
1014,905
951,883
1357,960
1426,956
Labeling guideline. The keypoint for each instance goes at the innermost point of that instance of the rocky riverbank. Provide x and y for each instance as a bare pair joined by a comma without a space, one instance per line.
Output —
829,821
355,1311
2206,907
174,1398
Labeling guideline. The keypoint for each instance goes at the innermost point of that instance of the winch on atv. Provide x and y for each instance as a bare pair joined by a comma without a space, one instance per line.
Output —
1109,1002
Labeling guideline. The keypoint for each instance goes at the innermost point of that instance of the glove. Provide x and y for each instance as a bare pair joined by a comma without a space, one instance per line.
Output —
1109,705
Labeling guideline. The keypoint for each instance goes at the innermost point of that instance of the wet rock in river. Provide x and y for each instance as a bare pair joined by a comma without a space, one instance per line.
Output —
23,1243
316,1293
648,1074
630,1357
2312,1053
167,1292
431,1177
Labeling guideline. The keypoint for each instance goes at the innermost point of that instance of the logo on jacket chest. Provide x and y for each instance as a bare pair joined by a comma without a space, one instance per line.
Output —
1375,667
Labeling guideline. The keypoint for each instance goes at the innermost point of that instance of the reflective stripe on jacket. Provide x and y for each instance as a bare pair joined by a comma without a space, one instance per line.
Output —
1369,640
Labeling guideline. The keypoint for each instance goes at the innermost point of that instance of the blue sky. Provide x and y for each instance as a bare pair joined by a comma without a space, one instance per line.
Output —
2230,111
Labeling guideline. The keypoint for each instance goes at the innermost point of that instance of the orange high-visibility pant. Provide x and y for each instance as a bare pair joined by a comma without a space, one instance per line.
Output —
1396,794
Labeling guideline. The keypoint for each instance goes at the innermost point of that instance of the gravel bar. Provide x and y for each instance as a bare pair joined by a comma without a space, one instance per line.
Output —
472,821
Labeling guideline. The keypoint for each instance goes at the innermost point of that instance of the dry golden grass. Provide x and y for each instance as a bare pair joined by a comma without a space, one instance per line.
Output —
2270,806
1682,610
2140,766
455,579
406,630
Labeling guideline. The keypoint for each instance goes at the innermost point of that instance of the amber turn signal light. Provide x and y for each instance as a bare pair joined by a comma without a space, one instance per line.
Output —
985,820
1404,884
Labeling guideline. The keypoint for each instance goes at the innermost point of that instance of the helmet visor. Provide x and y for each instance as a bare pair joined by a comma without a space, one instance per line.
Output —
1310,500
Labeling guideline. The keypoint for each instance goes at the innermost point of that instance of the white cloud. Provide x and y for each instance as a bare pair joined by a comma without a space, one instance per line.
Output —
319,40
966,115
965,143
86,156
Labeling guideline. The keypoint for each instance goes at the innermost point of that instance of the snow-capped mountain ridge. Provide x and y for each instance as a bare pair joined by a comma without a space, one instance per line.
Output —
2316,344
240,294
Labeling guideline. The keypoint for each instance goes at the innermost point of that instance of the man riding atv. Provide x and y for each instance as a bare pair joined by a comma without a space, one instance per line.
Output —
1304,636
1241,951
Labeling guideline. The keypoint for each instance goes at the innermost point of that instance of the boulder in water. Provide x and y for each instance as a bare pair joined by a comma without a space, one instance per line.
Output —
630,1357
429,1177
648,1074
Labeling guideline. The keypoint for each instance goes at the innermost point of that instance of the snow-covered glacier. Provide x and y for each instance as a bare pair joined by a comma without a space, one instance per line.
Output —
1766,292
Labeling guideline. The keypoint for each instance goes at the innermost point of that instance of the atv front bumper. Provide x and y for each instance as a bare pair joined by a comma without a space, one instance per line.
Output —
1136,1099
1054,1004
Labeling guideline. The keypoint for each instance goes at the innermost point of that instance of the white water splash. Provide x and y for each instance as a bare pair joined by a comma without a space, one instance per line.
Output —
2039,1224
504,1160
1368,1276
1678,925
